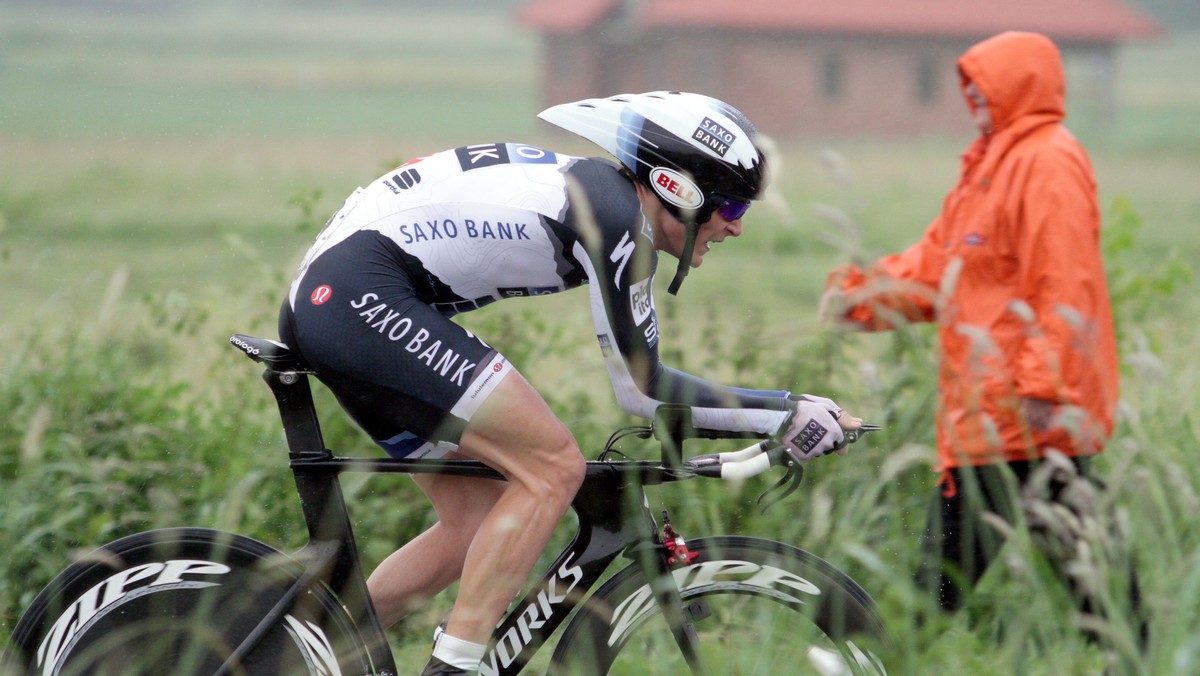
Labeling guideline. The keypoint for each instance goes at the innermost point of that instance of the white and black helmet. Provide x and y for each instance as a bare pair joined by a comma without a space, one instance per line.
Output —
695,152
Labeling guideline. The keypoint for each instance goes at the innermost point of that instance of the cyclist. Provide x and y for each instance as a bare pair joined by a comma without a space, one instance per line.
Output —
370,311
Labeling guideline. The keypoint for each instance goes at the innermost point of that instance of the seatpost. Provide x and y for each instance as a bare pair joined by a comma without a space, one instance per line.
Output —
331,552
299,415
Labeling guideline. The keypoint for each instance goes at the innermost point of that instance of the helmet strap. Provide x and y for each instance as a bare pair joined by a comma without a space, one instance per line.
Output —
691,228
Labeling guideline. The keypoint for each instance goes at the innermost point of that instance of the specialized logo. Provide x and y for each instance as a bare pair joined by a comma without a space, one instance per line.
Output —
114,592
713,136
729,575
534,616
321,294
676,188
620,255
491,154
810,435
389,323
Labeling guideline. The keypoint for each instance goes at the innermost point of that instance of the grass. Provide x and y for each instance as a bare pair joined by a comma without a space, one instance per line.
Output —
162,173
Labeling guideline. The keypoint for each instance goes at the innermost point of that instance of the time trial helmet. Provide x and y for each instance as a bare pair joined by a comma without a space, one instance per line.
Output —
696,153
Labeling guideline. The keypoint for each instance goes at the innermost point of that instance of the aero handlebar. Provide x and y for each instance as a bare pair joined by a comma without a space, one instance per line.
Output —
756,459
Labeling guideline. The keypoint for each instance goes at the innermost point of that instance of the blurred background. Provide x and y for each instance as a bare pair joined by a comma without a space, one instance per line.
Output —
145,135
165,163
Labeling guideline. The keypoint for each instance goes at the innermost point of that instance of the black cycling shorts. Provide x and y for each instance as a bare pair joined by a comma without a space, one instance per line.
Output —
409,376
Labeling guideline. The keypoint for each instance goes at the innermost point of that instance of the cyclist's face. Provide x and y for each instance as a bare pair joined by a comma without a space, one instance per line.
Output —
670,233
714,231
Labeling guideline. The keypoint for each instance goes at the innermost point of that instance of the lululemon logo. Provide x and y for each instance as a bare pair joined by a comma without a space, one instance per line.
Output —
321,294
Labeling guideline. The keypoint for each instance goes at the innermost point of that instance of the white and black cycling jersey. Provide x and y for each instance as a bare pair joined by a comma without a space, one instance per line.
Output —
457,230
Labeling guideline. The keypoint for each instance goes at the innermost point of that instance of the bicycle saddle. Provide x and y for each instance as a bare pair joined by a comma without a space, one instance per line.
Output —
274,354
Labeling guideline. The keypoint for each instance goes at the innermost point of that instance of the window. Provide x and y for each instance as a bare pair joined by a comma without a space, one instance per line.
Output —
833,75
927,80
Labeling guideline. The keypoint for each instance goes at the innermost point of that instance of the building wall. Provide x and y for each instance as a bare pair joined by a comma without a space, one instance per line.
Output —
790,85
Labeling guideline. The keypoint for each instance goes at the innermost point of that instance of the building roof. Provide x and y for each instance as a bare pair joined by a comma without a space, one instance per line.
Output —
1100,20
566,16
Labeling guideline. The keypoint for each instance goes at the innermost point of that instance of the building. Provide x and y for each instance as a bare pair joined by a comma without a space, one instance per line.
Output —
815,67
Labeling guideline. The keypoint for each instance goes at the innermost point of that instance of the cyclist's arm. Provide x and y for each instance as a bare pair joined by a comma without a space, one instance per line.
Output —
641,382
619,264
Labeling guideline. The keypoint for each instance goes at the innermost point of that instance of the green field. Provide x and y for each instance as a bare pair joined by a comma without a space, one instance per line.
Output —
161,174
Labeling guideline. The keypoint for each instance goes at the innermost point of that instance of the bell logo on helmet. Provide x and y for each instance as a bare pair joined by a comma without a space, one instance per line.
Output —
676,188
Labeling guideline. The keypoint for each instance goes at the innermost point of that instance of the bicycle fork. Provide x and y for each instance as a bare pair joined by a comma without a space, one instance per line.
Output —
669,551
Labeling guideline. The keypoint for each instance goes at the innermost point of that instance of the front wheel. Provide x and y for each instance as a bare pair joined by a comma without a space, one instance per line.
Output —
759,607
182,601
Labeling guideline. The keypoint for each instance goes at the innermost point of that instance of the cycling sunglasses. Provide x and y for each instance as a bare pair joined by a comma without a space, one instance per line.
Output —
730,209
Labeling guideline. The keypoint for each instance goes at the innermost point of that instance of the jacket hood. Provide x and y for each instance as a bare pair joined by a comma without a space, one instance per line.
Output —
1020,74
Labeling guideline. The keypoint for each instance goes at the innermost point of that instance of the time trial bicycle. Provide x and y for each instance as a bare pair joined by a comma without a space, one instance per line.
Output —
200,601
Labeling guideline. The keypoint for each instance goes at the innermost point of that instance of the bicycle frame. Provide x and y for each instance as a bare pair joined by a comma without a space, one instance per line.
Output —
613,512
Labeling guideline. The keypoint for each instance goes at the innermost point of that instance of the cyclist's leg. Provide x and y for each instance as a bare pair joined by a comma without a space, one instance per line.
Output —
403,370
430,562
515,432
497,528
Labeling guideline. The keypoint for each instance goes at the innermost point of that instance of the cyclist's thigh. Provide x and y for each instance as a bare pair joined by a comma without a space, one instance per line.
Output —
515,431
460,502
399,367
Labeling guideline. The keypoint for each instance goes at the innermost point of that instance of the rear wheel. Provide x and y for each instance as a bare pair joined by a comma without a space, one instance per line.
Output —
181,601
759,607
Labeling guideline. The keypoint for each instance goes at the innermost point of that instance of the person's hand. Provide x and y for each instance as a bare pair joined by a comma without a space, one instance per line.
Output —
816,427
1038,413
834,304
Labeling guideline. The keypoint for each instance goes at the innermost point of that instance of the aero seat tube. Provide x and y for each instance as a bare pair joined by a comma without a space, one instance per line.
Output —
299,415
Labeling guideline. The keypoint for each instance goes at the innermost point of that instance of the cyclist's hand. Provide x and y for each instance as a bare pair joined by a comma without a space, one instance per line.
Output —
815,427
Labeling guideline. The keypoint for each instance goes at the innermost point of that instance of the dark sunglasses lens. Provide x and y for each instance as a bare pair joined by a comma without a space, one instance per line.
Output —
731,210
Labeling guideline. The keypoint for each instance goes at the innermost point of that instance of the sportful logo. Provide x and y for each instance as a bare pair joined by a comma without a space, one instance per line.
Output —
676,188
403,180
713,136
114,592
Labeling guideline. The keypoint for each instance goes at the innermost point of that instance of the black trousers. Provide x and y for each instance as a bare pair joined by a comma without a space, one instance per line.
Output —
959,544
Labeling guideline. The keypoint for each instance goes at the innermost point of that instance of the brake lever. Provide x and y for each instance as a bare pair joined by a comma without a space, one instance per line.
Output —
851,436
795,468
789,482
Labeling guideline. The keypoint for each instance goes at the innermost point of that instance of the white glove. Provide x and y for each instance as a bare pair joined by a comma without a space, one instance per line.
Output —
813,428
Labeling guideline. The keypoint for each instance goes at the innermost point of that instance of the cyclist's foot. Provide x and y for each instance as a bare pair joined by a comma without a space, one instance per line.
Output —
436,667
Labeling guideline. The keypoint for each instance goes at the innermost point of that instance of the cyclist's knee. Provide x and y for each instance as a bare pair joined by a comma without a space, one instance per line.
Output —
557,475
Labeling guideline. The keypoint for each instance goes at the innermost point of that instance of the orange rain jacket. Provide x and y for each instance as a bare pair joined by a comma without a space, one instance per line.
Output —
1011,271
